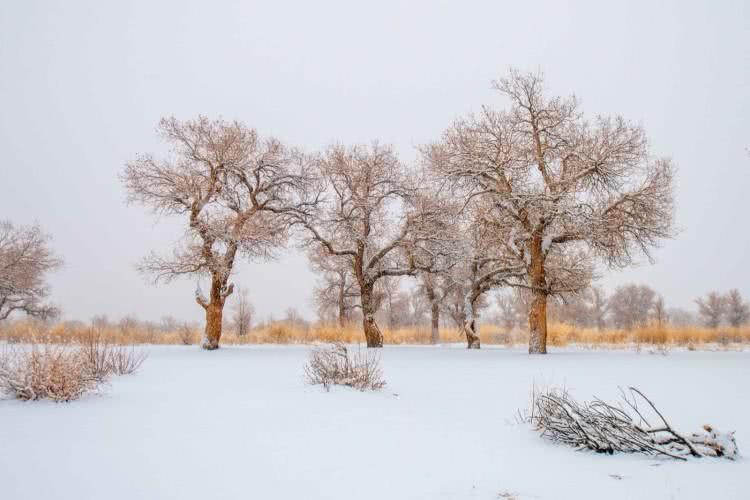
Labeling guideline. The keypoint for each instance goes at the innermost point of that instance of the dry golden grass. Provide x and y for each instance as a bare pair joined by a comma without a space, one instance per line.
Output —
559,334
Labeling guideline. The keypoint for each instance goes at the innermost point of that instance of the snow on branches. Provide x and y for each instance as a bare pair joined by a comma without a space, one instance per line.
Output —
561,191
239,192
633,426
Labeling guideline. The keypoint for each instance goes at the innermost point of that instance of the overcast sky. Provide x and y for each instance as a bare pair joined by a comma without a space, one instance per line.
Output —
82,85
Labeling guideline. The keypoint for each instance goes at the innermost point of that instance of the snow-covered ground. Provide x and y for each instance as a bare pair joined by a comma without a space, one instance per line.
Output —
241,423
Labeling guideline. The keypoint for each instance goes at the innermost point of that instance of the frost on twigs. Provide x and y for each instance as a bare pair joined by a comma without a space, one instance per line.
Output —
625,427
58,372
335,365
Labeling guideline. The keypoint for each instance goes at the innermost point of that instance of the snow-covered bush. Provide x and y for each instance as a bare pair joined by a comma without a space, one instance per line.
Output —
625,427
46,371
64,372
106,359
335,365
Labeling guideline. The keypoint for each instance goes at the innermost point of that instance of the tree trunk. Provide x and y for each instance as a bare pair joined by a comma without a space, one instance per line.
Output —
470,325
435,333
373,334
429,289
214,311
538,309
342,305
472,336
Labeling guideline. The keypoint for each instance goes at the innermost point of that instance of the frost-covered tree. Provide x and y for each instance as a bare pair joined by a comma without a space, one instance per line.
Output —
660,311
599,307
436,286
508,313
738,311
242,312
25,261
631,305
711,309
567,191
336,290
480,269
237,193
372,215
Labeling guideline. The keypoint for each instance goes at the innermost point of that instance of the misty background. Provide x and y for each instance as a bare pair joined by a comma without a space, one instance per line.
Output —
83,84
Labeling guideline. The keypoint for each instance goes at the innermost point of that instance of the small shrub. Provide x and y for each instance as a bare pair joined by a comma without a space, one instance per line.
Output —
47,371
64,372
125,360
186,334
335,365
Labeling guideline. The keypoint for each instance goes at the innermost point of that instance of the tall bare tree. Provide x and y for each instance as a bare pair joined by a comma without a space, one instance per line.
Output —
373,216
711,309
237,192
566,190
25,261
738,311
242,313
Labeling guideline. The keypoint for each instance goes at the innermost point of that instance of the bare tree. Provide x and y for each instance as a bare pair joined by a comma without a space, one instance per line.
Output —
737,309
660,311
372,215
565,190
25,260
599,307
711,309
507,305
394,305
435,286
337,289
631,305
680,317
480,270
243,313
238,193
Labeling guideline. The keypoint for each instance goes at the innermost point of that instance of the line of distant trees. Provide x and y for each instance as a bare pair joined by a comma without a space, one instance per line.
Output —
627,307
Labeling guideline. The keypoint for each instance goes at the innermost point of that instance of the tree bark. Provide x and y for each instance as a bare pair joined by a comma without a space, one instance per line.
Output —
435,332
342,304
214,312
538,309
472,336
434,311
373,335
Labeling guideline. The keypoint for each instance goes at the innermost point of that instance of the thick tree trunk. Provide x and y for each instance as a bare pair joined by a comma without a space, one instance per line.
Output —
470,322
373,334
435,333
214,313
538,323
538,309
472,335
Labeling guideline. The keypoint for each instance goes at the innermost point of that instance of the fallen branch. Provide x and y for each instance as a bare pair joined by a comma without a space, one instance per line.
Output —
606,428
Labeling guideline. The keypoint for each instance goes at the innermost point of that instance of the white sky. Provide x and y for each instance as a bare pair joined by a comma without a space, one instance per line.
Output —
82,85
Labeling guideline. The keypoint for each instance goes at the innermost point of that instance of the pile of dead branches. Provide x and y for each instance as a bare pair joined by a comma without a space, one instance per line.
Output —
335,365
633,426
